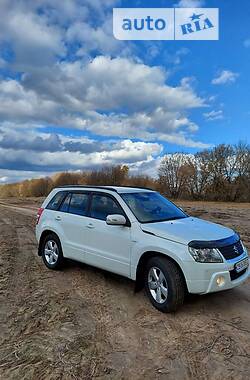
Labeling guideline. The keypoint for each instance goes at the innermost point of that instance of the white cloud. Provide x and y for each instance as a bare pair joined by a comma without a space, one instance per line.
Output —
175,58
11,176
187,82
41,31
2,63
50,152
97,98
225,76
99,38
214,115
4,179
21,104
158,126
247,43
128,152
32,38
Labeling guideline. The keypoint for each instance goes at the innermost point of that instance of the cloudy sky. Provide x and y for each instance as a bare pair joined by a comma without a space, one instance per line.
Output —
73,97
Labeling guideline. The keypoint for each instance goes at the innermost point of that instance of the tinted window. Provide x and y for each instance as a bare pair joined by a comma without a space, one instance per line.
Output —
56,200
152,207
78,204
102,206
65,205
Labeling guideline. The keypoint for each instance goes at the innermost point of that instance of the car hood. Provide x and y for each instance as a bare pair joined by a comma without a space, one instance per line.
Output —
188,229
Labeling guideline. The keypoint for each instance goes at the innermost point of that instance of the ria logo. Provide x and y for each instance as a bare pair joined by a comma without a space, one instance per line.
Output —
197,24
166,23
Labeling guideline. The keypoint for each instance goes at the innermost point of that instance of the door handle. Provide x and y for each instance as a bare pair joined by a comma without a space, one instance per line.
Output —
90,225
57,217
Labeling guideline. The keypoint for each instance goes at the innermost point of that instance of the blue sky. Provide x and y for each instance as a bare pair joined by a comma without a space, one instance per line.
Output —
72,97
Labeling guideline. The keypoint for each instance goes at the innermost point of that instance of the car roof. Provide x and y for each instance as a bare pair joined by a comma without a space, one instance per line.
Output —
117,189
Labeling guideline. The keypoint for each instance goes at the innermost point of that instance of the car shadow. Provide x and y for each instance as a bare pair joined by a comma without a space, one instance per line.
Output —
212,302
109,276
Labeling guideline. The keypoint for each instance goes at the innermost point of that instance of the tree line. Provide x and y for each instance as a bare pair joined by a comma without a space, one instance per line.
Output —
218,174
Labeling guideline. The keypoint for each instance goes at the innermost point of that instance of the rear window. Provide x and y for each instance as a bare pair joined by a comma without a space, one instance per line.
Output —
56,200
65,204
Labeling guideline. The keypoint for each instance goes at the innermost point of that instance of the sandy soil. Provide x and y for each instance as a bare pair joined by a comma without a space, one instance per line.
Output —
84,323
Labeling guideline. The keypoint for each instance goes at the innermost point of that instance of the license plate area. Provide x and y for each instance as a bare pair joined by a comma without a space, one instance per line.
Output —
241,265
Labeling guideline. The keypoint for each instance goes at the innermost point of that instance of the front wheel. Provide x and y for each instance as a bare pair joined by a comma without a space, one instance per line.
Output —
164,284
52,252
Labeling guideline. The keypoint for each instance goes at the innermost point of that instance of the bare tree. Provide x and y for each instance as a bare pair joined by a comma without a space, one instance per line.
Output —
242,179
174,173
109,175
201,174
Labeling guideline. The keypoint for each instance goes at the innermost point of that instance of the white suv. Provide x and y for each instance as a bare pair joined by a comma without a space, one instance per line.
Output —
138,233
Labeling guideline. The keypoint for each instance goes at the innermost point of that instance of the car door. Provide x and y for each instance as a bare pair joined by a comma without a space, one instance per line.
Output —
71,217
109,246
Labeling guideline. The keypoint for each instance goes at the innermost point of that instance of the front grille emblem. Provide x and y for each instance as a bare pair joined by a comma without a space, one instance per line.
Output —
236,249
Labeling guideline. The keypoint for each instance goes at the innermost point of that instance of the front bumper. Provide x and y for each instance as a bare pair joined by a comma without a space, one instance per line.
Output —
209,278
227,283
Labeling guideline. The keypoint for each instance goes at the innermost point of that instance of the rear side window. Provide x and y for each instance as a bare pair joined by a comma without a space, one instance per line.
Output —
56,200
65,205
102,206
78,204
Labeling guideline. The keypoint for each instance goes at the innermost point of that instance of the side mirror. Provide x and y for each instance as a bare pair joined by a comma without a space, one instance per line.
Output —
116,220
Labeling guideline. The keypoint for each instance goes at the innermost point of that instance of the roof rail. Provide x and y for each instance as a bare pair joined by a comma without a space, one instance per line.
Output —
104,187
137,187
87,187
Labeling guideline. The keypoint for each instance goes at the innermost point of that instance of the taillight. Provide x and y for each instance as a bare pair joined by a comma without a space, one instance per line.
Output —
39,214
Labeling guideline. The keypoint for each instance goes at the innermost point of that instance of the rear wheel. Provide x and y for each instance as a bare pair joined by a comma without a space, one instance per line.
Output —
52,252
164,284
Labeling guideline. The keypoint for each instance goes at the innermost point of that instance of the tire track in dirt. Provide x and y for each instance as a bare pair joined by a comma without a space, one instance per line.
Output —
27,263
41,324
31,266
23,210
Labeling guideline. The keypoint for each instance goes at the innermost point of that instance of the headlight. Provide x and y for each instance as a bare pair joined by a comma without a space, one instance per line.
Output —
206,255
244,247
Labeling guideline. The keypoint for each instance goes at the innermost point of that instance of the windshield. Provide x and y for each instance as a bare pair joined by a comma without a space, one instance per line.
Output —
149,207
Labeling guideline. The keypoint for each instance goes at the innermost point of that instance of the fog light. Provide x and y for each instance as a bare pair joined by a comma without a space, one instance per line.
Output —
220,281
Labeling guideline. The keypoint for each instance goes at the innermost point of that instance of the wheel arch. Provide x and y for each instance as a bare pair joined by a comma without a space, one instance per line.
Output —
139,283
42,237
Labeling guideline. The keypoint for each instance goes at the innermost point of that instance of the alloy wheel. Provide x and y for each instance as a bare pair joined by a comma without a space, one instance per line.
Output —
51,252
157,284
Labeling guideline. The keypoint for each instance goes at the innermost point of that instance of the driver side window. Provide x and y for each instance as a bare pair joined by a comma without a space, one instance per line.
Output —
102,206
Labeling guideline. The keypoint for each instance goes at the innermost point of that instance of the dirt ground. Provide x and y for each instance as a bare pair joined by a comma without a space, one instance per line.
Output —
84,323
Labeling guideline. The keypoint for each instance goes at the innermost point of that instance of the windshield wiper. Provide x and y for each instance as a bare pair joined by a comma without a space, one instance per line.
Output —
166,220
177,217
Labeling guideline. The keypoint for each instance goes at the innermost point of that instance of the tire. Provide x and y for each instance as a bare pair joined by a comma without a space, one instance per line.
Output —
52,253
164,284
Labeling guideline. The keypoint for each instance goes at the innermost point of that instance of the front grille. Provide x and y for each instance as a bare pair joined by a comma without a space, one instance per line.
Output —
232,251
234,275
